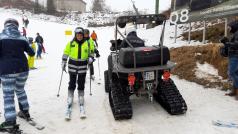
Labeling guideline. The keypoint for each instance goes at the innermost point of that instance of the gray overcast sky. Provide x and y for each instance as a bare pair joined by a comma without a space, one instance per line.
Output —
121,5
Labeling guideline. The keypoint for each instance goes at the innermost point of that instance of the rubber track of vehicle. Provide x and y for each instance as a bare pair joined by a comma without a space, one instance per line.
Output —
170,98
106,81
120,103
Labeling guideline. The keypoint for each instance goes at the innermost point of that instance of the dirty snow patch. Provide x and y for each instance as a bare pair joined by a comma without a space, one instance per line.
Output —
206,71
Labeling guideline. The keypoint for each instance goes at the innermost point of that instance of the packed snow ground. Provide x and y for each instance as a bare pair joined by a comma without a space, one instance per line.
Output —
204,105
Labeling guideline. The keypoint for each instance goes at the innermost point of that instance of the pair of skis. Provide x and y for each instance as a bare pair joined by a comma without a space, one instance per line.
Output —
69,112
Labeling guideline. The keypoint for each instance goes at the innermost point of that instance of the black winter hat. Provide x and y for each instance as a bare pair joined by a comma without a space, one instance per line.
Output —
86,31
234,26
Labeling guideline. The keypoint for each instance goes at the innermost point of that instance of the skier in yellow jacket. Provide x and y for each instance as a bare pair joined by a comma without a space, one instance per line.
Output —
77,54
31,59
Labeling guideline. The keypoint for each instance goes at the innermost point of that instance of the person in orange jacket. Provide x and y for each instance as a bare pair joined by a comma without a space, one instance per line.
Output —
94,37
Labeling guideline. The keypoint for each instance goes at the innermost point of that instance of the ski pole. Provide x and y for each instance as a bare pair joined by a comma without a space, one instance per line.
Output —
60,82
99,68
90,80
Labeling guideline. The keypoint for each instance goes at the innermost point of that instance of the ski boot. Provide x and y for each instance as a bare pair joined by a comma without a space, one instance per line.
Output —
10,127
81,104
231,93
70,100
24,114
236,94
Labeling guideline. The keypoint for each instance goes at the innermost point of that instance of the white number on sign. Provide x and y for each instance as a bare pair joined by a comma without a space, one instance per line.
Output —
182,16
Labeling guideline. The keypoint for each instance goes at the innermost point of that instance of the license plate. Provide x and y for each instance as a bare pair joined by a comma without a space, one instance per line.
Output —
149,76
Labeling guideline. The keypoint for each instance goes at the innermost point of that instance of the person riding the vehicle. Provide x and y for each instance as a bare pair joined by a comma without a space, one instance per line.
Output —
132,37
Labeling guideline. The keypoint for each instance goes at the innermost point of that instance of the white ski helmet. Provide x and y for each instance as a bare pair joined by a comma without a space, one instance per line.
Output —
130,27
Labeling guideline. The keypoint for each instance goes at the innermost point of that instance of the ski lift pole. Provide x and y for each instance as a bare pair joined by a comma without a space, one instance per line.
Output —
157,7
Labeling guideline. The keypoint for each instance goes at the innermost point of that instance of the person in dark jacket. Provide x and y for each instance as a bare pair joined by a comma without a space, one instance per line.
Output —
13,72
132,38
25,21
231,49
39,40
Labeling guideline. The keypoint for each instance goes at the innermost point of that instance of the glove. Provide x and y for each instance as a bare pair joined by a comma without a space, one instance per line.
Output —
224,40
90,60
97,53
63,65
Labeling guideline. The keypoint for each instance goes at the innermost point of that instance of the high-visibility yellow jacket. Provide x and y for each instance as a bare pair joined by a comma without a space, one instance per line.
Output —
92,46
78,55
31,59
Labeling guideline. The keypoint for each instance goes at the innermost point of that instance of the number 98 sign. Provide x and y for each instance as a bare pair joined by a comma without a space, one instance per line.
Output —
181,16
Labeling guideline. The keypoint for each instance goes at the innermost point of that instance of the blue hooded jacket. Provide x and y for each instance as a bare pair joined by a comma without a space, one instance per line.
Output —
12,47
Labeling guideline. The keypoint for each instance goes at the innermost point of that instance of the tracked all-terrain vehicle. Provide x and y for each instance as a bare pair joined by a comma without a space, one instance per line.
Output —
141,71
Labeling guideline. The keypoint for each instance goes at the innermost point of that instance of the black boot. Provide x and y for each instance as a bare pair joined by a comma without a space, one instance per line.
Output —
25,115
231,93
8,126
236,94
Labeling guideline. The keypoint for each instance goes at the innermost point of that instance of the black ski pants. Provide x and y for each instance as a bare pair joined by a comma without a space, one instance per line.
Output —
79,78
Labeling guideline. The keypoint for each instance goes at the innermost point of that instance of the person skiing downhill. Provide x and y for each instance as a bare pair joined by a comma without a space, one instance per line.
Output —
77,54
13,73
93,50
